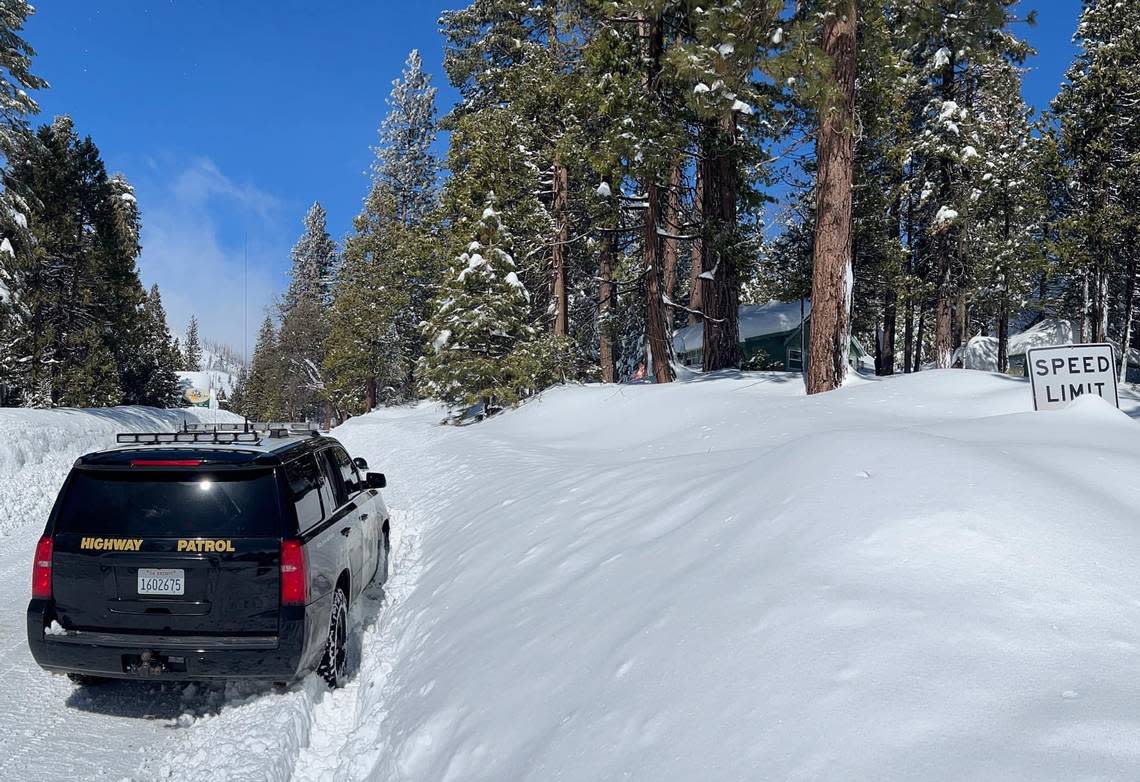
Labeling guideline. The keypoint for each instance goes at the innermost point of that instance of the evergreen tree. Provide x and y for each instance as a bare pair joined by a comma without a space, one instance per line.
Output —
192,348
404,165
1099,116
391,267
480,320
74,268
304,324
262,394
159,356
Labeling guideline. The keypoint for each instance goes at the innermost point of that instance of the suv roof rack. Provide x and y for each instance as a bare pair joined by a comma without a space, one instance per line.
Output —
158,438
223,433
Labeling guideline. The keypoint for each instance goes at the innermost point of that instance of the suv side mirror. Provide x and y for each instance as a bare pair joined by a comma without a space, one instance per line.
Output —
360,463
376,480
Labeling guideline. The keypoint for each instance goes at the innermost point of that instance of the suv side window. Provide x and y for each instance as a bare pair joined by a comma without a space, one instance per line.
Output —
347,469
334,490
304,483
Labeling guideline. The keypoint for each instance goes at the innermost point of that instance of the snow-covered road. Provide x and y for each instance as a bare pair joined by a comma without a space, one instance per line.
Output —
52,730
721,580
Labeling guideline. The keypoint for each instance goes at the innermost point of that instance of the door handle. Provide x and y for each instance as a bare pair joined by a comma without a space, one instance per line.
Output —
363,516
346,531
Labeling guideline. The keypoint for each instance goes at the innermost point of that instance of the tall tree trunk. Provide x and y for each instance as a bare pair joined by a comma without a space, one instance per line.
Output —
655,331
916,365
1129,299
832,277
558,253
908,325
947,240
370,395
890,321
1003,333
908,334
962,319
720,282
698,252
672,228
605,308
1085,327
1101,334
890,292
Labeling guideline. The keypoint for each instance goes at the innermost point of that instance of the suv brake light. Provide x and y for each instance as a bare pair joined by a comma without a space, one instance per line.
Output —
294,574
41,569
166,462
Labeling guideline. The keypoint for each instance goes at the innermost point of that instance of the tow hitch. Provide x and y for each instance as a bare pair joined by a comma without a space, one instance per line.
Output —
152,664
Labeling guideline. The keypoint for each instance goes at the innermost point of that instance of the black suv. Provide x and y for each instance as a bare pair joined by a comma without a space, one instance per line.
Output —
207,555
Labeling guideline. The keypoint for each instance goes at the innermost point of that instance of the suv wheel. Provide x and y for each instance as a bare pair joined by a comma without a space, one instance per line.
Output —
381,575
332,667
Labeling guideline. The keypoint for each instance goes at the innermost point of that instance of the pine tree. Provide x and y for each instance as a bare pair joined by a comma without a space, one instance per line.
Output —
263,398
74,266
158,358
947,44
1100,147
1007,244
404,165
391,271
304,322
480,320
192,348
367,354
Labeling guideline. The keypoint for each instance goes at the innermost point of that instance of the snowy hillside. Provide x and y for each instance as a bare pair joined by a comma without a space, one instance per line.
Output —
917,578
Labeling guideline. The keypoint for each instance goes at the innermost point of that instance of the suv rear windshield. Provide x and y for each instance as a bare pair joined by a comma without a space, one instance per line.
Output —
241,503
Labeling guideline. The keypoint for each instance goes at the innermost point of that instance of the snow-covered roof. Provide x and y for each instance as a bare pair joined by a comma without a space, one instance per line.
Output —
756,320
981,352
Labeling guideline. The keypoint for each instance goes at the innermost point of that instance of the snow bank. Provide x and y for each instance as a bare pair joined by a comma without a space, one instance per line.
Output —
916,578
38,447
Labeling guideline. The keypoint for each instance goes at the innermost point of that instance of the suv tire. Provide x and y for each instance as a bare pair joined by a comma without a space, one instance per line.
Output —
334,663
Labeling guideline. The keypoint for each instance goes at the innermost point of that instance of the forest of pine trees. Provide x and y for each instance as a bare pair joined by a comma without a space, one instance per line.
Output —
613,168
616,170
77,328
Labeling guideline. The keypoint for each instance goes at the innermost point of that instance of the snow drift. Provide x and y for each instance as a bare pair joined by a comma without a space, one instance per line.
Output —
38,447
724,580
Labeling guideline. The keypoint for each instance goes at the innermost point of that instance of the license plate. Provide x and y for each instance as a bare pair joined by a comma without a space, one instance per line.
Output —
162,581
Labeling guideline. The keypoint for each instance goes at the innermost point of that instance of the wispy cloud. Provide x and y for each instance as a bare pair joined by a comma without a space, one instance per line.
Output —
199,226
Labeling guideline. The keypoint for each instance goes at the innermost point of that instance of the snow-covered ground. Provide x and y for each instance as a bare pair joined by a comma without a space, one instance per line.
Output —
915,578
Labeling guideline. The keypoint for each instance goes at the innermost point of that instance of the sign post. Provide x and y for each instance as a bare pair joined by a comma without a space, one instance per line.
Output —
1061,373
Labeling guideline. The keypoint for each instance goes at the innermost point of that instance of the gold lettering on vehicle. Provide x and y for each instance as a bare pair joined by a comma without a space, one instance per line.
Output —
111,544
200,546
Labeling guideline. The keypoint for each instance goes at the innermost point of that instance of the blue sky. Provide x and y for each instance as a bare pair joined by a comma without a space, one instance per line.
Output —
231,118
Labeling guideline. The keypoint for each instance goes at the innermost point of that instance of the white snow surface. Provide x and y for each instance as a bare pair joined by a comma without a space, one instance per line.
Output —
915,578
49,730
755,320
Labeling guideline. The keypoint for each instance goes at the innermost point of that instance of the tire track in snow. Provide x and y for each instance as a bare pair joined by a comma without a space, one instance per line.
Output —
303,733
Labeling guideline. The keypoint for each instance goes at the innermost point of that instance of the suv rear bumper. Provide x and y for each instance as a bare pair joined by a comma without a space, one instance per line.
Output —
169,658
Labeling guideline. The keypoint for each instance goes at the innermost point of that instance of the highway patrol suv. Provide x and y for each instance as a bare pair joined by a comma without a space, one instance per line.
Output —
226,553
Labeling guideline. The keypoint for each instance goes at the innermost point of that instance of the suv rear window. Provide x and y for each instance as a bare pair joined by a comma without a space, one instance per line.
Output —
171,503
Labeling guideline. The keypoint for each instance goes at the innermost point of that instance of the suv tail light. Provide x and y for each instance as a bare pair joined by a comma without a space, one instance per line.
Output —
294,574
41,569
